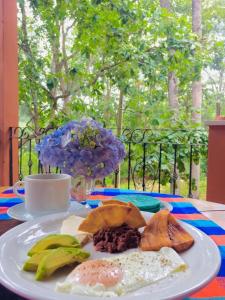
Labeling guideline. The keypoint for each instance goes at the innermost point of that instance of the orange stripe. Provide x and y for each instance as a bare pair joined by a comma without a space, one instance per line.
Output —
216,288
218,239
172,199
8,196
99,197
190,216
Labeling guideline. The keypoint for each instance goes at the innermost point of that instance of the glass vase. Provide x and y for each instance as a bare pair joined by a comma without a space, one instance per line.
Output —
81,188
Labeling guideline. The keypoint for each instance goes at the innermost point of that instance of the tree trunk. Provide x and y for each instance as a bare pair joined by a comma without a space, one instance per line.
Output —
172,80
173,93
107,100
119,128
172,96
196,89
220,93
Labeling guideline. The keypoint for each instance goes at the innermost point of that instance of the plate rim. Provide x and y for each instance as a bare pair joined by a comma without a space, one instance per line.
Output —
28,294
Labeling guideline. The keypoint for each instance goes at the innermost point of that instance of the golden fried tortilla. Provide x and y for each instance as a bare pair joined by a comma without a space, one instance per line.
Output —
112,215
155,235
117,202
163,230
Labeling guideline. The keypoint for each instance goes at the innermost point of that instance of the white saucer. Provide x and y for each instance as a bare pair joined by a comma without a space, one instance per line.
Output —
19,212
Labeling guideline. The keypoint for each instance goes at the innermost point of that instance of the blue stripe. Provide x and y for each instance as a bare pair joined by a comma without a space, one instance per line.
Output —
10,191
222,269
93,203
10,202
4,217
184,210
182,204
201,223
114,192
212,230
222,251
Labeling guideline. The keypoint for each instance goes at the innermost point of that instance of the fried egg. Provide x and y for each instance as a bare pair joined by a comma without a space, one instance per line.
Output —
120,274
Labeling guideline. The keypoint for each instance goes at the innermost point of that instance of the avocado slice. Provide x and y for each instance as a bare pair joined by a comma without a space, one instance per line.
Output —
58,258
31,264
54,241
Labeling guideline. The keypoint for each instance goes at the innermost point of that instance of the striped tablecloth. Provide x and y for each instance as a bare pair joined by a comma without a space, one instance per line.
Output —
182,209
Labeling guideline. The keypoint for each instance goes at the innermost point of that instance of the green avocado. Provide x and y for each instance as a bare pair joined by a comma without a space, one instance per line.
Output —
53,241
31,264
58,258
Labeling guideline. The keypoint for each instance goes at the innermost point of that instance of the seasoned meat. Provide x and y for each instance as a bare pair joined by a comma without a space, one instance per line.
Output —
116,239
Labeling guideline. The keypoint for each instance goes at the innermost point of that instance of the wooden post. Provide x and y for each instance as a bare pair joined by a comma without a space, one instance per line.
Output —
8,89
216,162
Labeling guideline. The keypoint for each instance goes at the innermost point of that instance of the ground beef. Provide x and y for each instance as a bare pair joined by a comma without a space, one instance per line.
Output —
116,239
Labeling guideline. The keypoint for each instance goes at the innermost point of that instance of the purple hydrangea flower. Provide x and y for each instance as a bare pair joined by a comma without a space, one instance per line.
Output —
82,148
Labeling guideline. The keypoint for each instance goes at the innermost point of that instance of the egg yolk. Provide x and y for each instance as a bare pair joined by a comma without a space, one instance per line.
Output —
94,272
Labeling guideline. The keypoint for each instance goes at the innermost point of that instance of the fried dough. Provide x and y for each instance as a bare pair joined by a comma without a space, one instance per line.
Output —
181,239
112,215
163,230
117,202
155,235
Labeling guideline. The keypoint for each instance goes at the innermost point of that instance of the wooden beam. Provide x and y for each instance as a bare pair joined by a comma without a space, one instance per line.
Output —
8,89
216,162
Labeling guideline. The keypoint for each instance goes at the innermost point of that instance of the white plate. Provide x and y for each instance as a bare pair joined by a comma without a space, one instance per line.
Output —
203,260
19,212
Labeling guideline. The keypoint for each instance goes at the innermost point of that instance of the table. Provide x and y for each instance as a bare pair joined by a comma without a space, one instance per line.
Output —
213,211
197,209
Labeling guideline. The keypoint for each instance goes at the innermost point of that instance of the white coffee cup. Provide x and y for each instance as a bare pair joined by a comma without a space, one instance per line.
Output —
45,193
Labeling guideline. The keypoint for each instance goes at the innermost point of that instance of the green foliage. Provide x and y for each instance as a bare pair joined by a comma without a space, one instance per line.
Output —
77,56
73,51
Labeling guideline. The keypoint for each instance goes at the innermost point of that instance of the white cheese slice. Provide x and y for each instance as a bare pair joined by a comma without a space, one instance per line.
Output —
70,226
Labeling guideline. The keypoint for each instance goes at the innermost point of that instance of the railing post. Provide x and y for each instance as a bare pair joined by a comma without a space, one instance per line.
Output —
159,167
190,173
175,168
129,165
216,162
10,156
143,166
8,90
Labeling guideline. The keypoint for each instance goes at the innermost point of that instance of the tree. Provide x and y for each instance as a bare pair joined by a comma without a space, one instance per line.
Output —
196,86
117,61
214,72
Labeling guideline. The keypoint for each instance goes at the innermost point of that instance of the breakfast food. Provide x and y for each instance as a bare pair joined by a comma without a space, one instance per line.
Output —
31,264
120,274
53,252
70,226
163,230
181,239
116,202
114,227
54,241
112,215
58,258
116,239
155,235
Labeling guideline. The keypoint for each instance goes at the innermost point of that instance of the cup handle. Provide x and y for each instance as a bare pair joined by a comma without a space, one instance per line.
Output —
16,186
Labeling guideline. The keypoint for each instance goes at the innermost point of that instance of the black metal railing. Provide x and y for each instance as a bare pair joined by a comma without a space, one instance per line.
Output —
155,158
